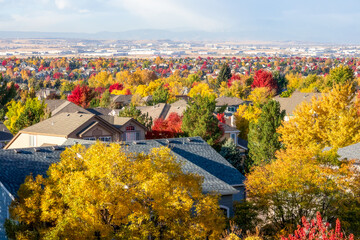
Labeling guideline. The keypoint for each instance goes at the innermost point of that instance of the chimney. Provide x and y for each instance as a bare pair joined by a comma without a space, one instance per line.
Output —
232,121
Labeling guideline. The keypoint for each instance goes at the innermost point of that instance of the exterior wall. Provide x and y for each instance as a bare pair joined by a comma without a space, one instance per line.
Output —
227,135
138,129
23,140
241,195
227,201
5,200
98,131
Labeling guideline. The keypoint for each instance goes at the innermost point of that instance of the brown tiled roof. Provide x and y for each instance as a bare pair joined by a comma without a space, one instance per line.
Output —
156,111
63,106
289,104
63,124
230,101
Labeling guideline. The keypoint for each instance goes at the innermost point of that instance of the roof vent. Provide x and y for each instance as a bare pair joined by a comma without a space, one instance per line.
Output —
167,141
134,142
189,139
56,148
37,150
80,115
68,114
17,151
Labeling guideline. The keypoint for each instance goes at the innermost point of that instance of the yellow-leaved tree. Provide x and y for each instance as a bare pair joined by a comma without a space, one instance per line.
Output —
297,184
330,121
107,192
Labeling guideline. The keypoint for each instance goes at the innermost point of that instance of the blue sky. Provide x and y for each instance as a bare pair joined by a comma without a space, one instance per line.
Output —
303,20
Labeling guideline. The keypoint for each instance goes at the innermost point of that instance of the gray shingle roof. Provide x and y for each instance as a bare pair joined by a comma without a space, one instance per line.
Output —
350,152
198,157
5,134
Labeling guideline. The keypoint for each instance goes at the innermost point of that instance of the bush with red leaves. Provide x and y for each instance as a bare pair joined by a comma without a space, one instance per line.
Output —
317,229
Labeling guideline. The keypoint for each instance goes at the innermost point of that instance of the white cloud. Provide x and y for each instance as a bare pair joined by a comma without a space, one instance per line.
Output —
62,4
84,11
168,13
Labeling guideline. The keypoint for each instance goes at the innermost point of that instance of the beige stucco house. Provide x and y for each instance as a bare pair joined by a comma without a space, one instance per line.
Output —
56,130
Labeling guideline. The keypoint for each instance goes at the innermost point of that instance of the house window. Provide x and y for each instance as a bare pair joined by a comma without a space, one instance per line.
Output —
32,141
90,138
105,139
233,137
130,128
226,210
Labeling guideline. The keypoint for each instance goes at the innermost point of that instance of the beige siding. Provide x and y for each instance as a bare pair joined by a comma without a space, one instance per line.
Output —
23,140
138,129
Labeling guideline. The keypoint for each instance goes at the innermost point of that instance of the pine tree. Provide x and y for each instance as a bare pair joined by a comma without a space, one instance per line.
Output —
224,74
263,138
199,120
105,99
232,154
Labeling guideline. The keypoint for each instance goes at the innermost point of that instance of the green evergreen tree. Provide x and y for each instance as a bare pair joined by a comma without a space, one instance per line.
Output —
263,138
232,155
7,93
105,99
132,111
161,95
199,120
224,74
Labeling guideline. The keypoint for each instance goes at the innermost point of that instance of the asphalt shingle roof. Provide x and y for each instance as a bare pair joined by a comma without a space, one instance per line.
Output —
5,134
62,124
197,157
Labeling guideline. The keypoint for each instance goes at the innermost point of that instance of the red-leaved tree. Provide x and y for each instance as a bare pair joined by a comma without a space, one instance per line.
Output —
264,78
169,128
221,117
317,229
81,95
116,86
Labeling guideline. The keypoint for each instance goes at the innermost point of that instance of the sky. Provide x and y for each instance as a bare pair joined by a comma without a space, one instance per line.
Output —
275,20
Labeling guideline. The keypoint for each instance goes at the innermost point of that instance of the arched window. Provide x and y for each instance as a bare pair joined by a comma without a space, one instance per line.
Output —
226,210
130,128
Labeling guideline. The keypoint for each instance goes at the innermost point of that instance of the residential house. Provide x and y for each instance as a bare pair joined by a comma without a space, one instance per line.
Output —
44,93
232,104
197,156
5,135
57,129
289,104
119,101
58,106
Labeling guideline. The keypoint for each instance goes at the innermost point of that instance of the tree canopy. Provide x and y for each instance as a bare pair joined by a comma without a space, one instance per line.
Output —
105,192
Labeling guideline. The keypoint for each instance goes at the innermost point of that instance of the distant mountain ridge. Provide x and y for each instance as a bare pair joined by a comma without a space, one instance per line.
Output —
146,34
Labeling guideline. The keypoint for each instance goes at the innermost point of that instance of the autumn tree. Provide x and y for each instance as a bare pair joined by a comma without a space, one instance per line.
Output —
166,128
298,184
340,75
107,192
263,138
224,74
21,115
132,111
322,122
199,120
264,78
81,95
